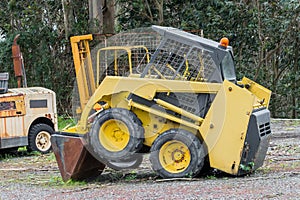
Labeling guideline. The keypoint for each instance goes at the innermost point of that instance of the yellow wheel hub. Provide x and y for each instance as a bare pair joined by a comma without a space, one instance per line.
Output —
114,135
174,156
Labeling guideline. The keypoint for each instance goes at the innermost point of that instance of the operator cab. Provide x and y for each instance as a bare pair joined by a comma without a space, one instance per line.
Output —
227,65
228,68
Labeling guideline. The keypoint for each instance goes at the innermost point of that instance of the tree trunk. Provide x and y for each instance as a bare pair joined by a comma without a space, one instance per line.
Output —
108,16
68,17
296,71
95,16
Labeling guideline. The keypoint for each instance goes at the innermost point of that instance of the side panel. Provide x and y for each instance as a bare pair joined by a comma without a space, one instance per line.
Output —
40,105
12,127
225,126
13,142
12,111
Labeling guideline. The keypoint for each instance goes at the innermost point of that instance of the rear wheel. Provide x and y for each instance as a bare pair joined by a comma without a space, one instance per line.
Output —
177,153
117,134
39,138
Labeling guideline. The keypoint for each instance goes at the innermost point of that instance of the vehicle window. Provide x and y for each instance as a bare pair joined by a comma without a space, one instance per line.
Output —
228,69
7,105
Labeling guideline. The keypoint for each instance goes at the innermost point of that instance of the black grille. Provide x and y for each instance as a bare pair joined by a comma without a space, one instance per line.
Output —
264,129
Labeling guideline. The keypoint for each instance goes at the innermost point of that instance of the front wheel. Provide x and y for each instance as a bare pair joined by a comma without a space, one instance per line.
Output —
39,138
116,134
177,153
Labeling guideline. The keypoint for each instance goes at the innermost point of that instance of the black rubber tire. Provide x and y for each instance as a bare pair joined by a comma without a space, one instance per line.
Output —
135,129
130,163
196,149
35,132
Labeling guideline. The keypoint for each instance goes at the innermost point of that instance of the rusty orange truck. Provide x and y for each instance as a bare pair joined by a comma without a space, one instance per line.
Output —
28,115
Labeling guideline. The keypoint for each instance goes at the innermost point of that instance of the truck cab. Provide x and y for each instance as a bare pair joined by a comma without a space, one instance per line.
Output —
28,117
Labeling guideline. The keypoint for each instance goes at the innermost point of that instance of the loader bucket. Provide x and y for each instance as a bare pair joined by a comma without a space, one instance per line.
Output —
74,161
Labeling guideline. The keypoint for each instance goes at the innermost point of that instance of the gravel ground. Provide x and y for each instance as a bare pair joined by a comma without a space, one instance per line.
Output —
37,177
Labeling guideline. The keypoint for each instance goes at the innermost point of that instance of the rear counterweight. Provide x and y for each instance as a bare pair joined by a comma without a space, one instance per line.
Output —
256,142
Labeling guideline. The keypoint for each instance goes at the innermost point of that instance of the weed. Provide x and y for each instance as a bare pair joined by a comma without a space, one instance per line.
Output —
74,183
65,122
131,176
284,165
6,157
189,175
57,181
22,149
295,122
51,157
35,153
212,177
264,170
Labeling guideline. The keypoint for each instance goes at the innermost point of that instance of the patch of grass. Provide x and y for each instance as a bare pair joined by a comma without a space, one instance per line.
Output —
264,170
74,183
65,122
57,181
284,165
212,177
22,149
51,157
6,156
131,176
35,153
297,150
293,123
247,167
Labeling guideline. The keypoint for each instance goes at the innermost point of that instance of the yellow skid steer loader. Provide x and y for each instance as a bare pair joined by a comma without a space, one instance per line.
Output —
182,104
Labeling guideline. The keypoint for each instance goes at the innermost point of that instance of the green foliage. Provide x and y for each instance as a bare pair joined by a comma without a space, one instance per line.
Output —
46,51
57,181
248,168
212,177
131,176
65,121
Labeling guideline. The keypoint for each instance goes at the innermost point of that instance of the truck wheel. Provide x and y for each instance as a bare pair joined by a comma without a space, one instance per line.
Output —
177,153
116,134
39,138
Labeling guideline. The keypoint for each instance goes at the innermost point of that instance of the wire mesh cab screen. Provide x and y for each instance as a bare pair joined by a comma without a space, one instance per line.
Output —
184,56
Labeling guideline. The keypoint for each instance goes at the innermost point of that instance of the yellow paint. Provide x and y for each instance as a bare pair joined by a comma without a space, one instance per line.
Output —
225,126
178,110
114,135
15,107
83,67
263,94
116,49
174,156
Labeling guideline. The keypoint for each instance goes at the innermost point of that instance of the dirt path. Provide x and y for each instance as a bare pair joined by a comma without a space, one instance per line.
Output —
37,177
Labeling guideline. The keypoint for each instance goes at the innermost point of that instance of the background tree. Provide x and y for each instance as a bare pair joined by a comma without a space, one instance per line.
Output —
44,42
101,16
